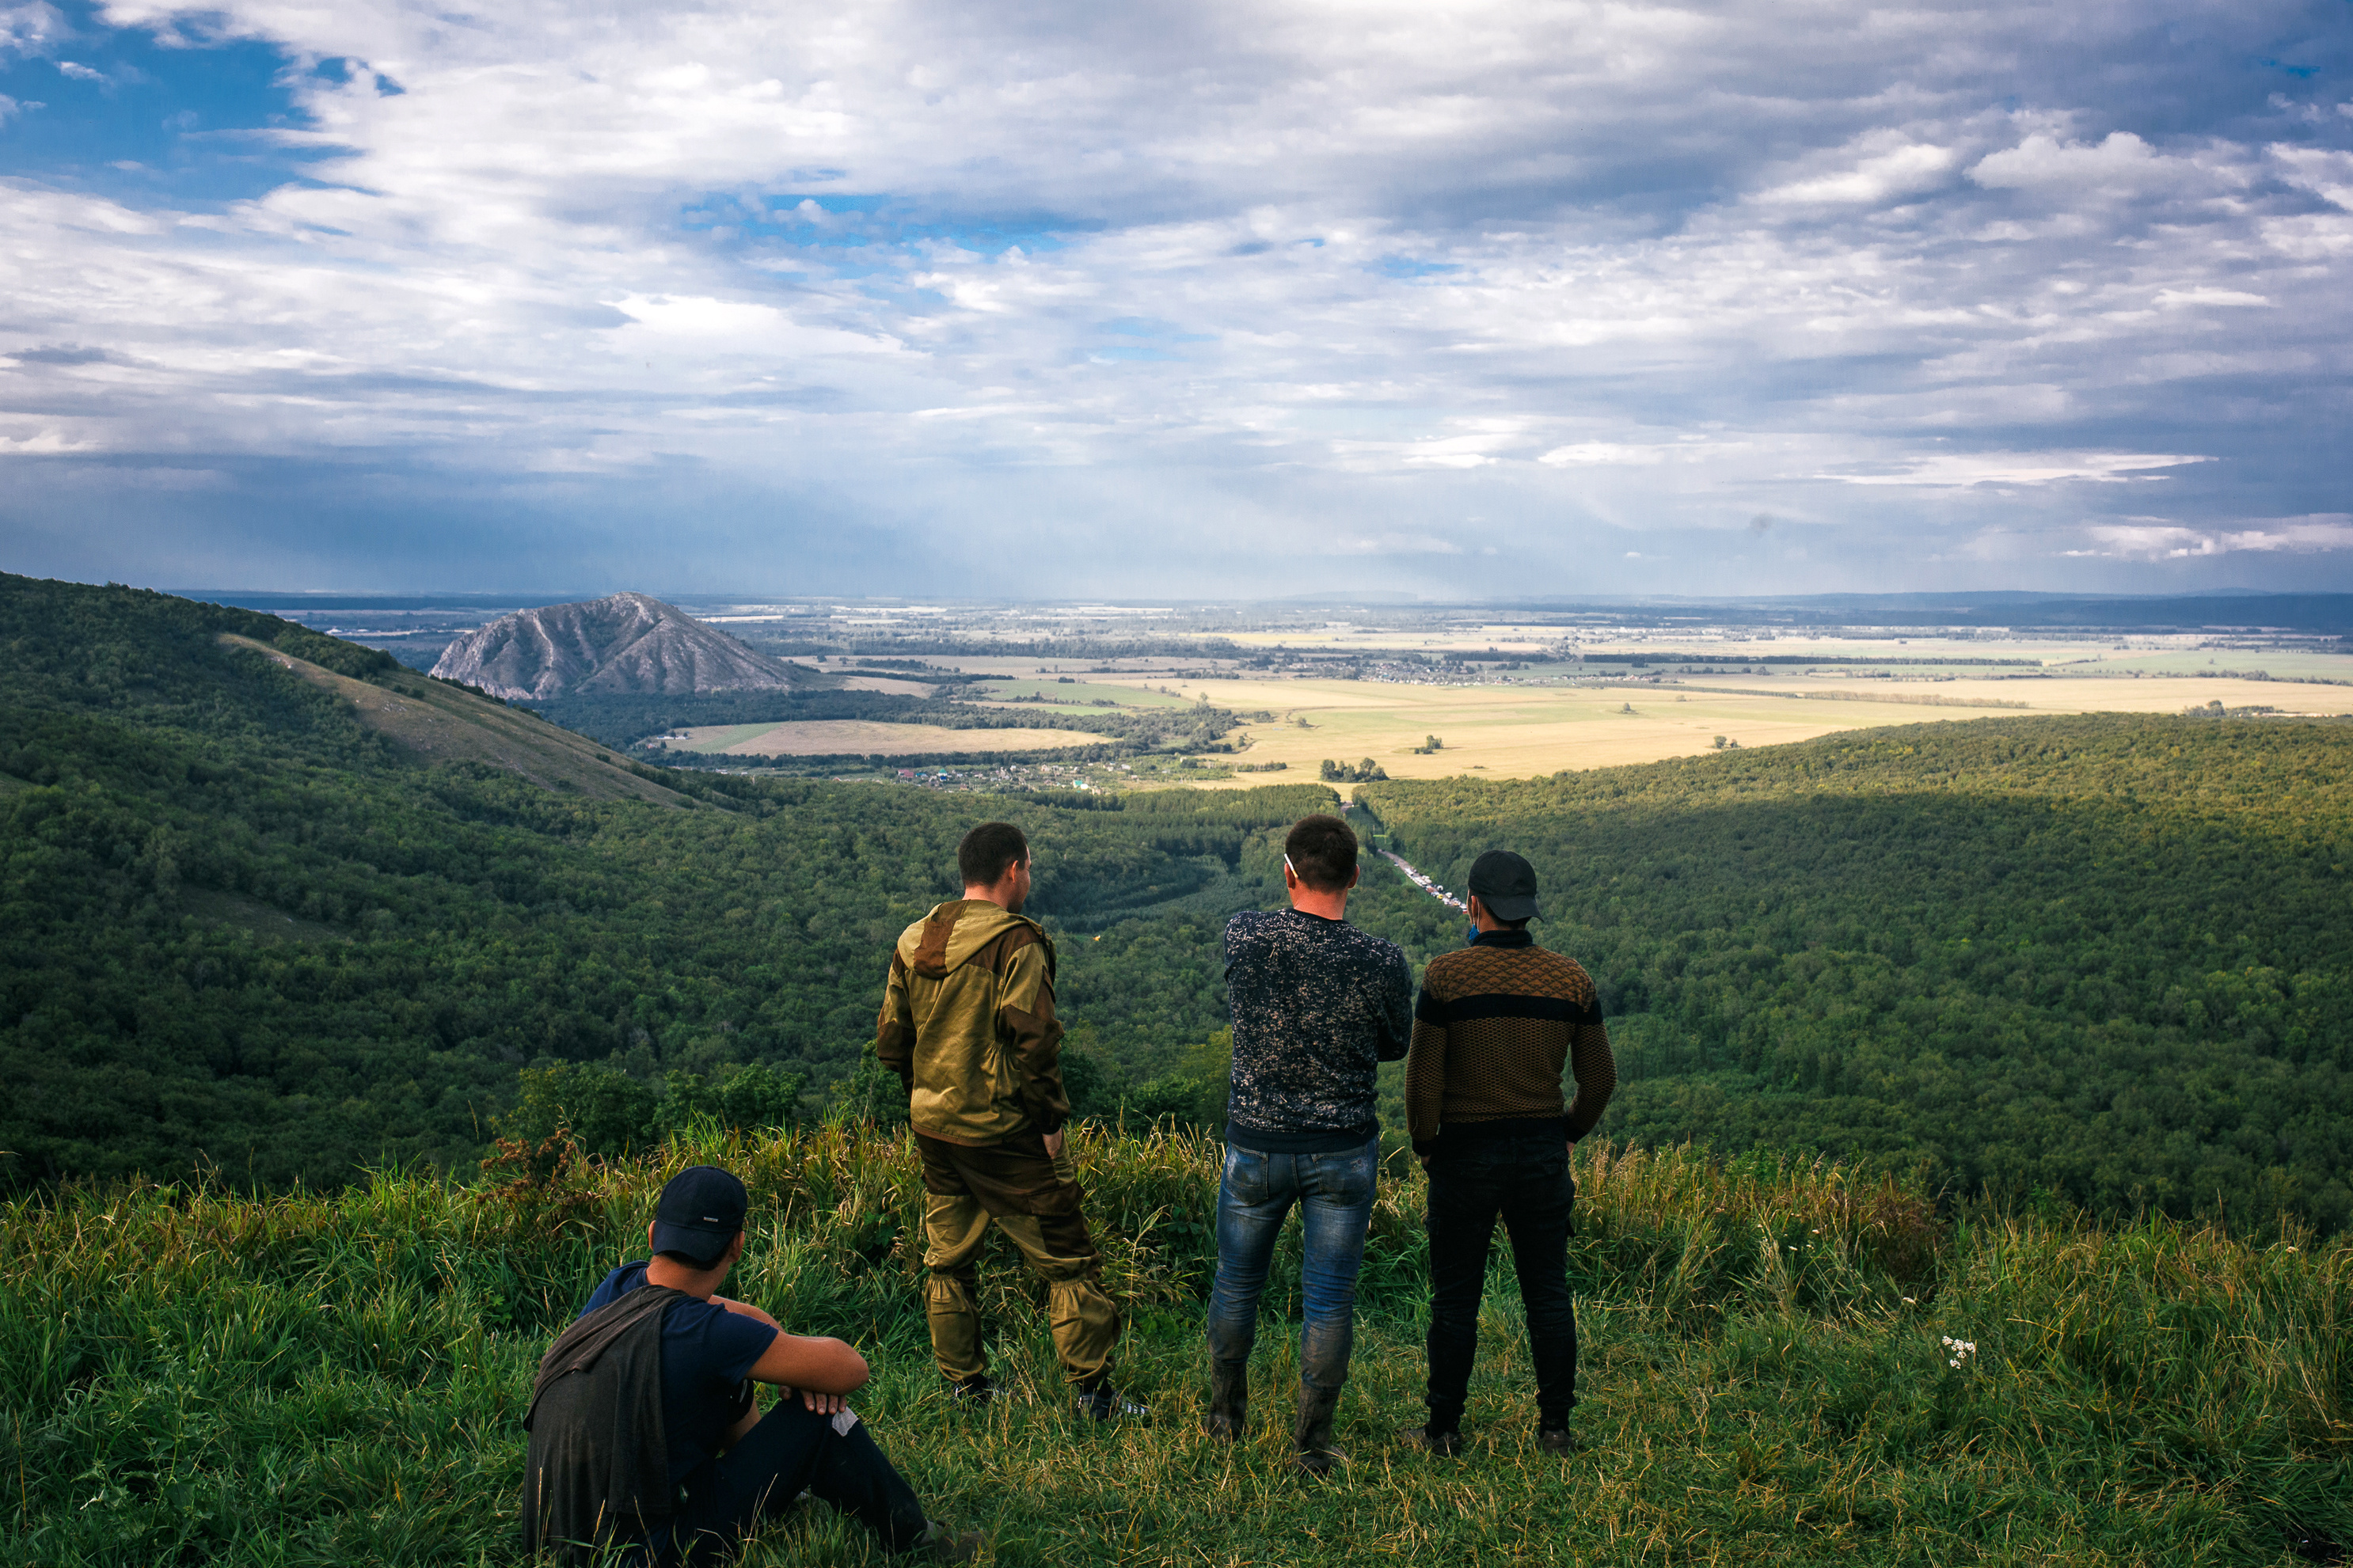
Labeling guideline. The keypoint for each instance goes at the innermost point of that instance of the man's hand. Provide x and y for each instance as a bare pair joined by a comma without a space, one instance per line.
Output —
1053,1145
819,1403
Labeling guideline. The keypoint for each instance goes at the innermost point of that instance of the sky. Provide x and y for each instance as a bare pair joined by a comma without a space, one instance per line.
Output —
1047,300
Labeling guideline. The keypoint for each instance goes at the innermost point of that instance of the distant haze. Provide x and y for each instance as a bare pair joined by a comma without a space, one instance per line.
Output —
1485,300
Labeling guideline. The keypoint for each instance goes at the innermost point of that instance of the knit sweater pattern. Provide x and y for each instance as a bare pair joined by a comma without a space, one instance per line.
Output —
1495,1023
1317,1006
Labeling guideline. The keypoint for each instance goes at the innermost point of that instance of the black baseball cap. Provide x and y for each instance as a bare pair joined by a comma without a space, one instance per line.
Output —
1506,883
701,1210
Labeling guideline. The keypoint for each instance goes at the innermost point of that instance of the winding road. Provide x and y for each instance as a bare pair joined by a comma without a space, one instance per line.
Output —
1424,883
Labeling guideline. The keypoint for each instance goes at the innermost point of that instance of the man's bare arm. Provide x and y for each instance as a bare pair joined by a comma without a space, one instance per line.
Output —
811,1364
823,1372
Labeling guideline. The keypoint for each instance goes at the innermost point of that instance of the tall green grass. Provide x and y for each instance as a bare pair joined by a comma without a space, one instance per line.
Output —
191,1376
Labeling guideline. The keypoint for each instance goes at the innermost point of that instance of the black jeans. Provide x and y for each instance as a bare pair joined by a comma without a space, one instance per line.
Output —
791,1451
1523,1177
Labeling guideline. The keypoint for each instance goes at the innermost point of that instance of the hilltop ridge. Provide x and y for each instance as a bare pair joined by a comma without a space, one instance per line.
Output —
630,644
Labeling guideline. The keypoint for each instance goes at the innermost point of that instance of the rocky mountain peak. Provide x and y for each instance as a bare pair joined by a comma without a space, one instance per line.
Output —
622,642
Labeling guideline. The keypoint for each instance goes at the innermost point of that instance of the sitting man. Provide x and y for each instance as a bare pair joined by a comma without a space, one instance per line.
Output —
647,1435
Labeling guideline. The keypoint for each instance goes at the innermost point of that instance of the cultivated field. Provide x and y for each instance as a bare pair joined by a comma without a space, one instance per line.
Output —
1521,731
1082,692
853,737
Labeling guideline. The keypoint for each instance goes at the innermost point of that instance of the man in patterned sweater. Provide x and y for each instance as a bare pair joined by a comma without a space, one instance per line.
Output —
1495,1023
1317,1006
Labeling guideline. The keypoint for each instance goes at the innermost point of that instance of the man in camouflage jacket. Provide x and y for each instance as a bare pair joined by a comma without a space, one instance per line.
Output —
968,1025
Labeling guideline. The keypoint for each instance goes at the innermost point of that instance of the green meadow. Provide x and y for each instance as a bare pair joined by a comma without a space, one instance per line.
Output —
192,1376
1083,692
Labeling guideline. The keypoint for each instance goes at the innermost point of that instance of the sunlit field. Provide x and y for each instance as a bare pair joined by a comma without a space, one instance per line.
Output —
848,737
1521,731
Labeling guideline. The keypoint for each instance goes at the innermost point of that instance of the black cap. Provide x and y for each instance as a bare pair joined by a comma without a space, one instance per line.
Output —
1506,883
701,1210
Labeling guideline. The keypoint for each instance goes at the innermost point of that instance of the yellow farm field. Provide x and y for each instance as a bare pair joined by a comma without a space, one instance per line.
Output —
853,737
1520,732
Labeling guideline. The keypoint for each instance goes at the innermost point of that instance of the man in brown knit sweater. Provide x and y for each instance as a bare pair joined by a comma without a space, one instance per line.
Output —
1495,1024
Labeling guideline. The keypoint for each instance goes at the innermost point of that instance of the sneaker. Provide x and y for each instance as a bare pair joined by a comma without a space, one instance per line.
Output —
974,1391
1444,1444
1104,1402
942,1543
1559,1440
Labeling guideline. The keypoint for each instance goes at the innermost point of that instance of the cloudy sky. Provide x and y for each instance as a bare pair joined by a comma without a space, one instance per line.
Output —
1486,300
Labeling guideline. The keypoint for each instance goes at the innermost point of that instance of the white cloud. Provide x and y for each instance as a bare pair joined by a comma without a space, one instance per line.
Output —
1605,269
2121,163
1959,469
2228,298
1612,454
2151,541
30,29
2325,172
1903,171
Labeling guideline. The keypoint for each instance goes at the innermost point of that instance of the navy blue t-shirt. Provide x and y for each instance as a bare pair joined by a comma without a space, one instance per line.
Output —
706,1352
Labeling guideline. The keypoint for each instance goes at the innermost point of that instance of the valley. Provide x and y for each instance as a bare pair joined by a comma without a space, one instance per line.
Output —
280,905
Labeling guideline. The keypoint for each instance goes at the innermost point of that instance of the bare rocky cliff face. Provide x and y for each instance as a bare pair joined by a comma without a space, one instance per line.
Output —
623,643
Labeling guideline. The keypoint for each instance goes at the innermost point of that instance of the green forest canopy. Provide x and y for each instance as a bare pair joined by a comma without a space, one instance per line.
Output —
2106,957
2102,957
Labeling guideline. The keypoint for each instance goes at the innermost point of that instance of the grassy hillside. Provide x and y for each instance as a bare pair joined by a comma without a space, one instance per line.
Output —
2103,957
340,1378
273,904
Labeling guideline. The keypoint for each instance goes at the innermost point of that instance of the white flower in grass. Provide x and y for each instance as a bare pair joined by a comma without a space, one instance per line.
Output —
1962,1350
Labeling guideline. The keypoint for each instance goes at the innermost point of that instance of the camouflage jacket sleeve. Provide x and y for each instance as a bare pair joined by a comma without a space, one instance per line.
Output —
894,1030
1026,1023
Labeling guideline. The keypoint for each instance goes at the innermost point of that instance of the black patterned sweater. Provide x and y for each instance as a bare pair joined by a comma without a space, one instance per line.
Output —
1496,1023
1317,1006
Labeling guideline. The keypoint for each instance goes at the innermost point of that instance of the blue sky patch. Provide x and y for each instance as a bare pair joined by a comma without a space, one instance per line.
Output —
110,110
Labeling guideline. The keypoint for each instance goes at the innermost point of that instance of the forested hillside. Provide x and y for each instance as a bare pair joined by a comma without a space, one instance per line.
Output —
242,927
2104,957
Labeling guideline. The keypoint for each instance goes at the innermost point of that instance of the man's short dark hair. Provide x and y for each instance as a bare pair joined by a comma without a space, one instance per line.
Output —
1323,851
988,851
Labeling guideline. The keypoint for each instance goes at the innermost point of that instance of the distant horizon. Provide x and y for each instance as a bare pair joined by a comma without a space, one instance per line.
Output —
255,598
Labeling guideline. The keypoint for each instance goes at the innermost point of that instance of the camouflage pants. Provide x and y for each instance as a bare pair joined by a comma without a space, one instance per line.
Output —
1034,1200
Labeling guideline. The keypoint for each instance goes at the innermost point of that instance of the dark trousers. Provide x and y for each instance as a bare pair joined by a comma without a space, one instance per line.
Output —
790,1451
1525,1179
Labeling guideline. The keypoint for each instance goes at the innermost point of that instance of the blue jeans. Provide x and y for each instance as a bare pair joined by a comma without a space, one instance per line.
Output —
1335,1194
